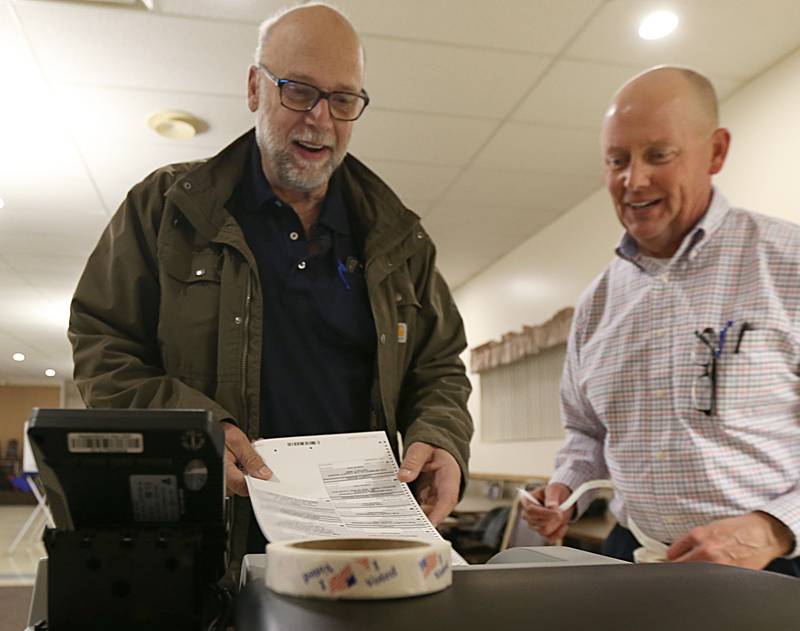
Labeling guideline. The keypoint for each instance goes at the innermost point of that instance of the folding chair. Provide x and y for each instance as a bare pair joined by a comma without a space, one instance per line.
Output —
40,514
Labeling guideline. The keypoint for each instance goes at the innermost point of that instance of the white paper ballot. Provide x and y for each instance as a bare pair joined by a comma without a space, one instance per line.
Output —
336,485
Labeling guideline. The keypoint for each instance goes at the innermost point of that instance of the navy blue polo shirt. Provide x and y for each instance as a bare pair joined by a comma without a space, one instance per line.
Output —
319,343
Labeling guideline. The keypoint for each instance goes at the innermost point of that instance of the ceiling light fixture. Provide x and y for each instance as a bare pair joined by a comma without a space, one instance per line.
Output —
658,25
2,203
176,125
18,357
50,372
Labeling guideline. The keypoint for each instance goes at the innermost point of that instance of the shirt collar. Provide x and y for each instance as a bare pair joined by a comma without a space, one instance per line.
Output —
334,212
698,236
255,188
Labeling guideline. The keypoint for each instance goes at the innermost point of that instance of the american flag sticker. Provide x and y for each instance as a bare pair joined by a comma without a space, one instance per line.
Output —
428,564
363,562
402,332
343,580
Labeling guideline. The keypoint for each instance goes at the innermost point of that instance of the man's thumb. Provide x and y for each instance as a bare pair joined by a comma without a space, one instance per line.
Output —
552,497
416,456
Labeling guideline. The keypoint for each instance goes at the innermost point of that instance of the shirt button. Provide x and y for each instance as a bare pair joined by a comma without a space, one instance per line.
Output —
661,332
659,455
664,278
420,235
383,338
278,203
200,272
660,394
398,297
294,236
238,319
187,186
301,265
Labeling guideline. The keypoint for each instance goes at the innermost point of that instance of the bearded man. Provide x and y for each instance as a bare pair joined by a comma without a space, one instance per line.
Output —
281,285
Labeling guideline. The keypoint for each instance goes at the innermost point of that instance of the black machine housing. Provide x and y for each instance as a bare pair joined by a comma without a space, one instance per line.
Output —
138,499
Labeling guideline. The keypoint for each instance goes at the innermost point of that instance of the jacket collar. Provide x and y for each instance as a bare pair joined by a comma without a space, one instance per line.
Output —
203,190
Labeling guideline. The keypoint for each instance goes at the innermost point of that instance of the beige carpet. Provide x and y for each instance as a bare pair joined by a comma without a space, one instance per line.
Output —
14,603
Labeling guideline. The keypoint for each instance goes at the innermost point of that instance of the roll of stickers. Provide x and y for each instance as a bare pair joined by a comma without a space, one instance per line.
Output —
358,568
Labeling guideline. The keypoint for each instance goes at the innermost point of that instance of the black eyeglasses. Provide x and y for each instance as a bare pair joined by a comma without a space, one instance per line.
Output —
303,97
704,386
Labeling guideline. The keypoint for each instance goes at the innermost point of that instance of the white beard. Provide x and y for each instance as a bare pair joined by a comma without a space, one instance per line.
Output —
291,170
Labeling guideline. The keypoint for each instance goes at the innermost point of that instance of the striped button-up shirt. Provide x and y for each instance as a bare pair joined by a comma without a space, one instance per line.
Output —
634,398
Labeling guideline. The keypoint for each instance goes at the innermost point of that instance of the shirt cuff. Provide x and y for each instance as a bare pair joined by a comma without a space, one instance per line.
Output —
786,509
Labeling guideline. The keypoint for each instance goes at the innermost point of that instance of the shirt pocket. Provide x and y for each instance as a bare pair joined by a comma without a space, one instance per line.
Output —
188,327
760,378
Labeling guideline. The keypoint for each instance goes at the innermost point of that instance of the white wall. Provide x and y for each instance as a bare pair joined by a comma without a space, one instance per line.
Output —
549,270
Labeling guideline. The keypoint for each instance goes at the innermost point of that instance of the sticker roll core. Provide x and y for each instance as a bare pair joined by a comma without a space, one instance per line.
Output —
358,568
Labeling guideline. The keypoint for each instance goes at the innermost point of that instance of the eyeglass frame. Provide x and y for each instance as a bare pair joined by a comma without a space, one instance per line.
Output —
710,368
322,94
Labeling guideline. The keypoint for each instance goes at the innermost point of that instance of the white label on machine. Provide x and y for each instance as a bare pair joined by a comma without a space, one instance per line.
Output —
104,443
155,498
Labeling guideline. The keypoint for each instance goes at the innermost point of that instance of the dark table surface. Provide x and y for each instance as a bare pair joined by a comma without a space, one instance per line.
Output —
654,597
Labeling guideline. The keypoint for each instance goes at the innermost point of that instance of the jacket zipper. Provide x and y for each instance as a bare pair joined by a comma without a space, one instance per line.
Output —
245,349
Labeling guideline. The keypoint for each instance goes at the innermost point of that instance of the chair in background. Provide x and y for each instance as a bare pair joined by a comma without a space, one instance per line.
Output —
40,516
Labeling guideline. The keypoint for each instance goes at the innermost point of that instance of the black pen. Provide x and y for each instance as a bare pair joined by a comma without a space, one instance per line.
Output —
745,328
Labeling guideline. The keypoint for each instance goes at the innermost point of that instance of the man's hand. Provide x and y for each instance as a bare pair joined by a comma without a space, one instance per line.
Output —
751,540
438,479
546,518
241,457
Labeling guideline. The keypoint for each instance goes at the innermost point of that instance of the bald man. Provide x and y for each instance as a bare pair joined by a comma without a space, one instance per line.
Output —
281,285
682,378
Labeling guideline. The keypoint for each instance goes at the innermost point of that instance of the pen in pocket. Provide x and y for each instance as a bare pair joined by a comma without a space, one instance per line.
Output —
746,326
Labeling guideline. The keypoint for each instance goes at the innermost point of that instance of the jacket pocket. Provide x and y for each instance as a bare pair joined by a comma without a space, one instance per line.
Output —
188,327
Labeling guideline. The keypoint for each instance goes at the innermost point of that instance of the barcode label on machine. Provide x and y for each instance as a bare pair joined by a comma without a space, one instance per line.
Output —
104,443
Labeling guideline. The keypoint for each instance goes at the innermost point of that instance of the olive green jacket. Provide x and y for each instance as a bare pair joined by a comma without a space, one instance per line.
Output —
168,312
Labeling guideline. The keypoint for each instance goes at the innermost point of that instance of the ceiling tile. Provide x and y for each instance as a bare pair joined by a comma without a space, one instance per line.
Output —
117,176
463,243
114,47
40,167
540,26
526,147
244,10
414,181
425,138
574,94
706,29
106,115
448,79
577,93
538,194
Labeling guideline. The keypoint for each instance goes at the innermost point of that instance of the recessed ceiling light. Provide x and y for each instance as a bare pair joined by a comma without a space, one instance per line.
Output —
50,372
658,25
176,125
18,357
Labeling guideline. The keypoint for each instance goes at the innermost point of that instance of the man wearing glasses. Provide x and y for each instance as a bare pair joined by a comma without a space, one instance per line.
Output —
682,378
282,285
